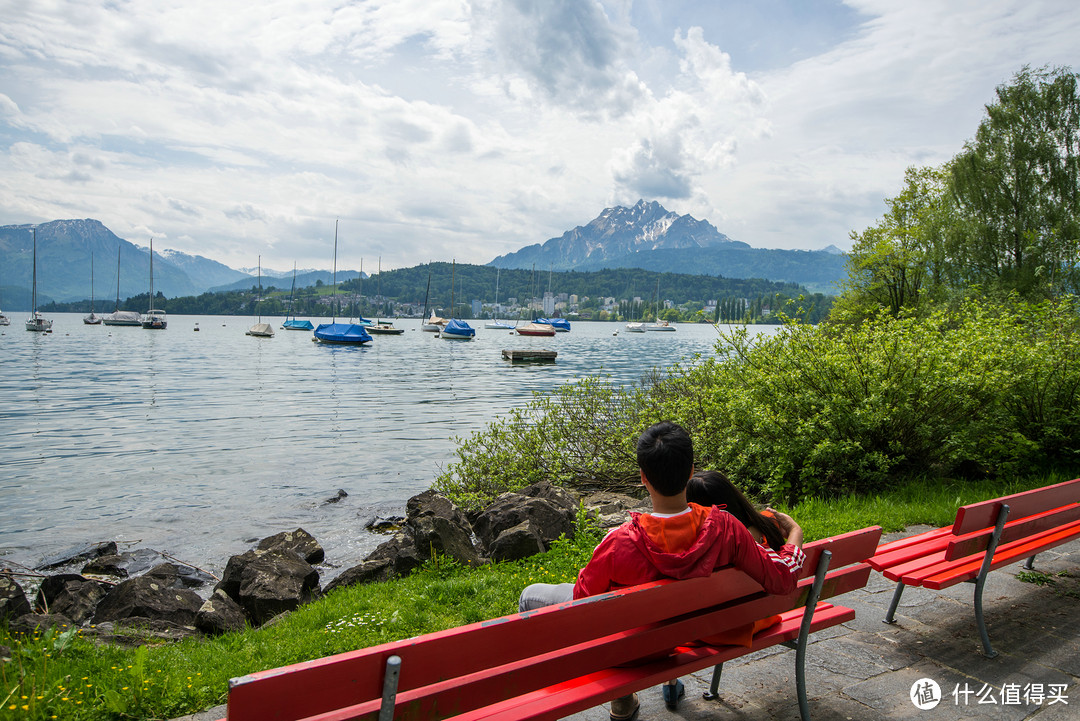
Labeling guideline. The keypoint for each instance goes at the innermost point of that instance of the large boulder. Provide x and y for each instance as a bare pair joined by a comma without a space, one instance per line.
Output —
521,541
220,614
299,541
267,583
366,572
440,528
71,595
549,514
609,510
13,601
29,623
152,596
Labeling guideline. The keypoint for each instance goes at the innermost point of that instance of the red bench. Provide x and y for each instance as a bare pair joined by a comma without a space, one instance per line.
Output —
556,661
984,536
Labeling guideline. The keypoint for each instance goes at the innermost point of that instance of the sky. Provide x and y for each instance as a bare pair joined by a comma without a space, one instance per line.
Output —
467,129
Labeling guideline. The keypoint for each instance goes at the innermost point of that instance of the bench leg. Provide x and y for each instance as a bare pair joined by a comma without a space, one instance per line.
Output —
714,686
890,617
389,689
1029,565
980,581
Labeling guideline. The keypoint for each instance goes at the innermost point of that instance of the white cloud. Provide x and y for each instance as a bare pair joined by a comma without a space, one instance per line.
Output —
470,129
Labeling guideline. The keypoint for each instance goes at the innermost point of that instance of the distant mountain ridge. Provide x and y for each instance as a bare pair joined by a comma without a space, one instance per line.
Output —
65,249
649,236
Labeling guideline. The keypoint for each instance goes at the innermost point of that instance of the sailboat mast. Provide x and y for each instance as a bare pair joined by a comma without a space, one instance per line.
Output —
258,299
91,282
151,272
33,292
117,277
333,308
427,295
453,267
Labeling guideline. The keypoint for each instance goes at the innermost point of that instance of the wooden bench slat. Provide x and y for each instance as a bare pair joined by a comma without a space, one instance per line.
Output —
930,542
978,542
567,699
1004,556
977,516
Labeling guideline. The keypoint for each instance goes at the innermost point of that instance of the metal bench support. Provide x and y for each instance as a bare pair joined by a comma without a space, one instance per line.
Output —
799,646
890,617
980,581
389,688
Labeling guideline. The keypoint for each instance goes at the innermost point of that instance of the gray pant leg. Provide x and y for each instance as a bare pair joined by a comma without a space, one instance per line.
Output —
539,595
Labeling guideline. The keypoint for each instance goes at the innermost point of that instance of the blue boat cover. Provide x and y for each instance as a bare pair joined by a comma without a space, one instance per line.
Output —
342,333
295,324
458,327
556,323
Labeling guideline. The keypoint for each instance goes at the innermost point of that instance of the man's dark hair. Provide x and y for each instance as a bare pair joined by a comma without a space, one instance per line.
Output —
666,454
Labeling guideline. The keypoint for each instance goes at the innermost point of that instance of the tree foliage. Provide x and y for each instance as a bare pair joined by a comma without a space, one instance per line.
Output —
1001,217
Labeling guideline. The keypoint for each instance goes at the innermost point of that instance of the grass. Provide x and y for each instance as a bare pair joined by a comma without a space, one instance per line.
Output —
65,675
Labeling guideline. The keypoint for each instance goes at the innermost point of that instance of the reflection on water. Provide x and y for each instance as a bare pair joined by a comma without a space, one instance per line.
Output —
196,443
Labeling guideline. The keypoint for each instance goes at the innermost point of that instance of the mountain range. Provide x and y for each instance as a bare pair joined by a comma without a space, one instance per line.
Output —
67,248
646,236
649,236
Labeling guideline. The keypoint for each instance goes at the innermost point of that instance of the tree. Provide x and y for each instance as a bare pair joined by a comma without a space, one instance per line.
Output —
1018,184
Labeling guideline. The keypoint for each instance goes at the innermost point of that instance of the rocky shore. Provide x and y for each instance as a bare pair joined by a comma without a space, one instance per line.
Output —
135,596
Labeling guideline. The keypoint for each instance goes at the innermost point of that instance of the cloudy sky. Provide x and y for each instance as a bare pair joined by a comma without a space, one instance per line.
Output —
440,129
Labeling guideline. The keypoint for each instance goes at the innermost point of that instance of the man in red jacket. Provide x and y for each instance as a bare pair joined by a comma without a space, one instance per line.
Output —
676,540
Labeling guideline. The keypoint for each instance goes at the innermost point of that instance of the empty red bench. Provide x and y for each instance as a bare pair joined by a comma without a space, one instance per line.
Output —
559,660
984,536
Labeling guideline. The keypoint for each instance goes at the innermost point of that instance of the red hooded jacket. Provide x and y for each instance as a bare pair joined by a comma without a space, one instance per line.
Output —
648,548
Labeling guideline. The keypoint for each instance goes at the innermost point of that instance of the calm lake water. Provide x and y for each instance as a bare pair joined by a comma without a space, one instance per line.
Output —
197,443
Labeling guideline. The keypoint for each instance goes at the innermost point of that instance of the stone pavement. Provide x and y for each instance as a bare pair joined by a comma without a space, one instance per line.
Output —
864,670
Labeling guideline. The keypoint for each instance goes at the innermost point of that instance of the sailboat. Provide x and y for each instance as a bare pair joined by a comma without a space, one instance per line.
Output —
36,321
260,329
93,318
659,324
533,328
293,323
433,324
340,333
120,317
153,319
456,329
379,327
496,323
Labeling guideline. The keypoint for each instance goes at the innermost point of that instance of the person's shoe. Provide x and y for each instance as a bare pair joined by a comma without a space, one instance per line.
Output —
672,694
625,708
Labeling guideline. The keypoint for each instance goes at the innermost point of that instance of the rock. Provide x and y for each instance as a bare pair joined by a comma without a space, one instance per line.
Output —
400,551
550,518
220,614
71,595
556,494
389,524
152,596
299,541
266,583
520,541
609,510
440,528
28,623
5,654
13,601
111,565
340,494
78,554
137,630
366,572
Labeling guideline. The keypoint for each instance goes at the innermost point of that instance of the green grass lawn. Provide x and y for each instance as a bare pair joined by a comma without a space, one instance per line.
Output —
64,675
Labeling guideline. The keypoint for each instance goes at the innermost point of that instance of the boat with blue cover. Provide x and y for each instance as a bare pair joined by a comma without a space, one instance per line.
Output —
457,330
561,325
340,333
292,323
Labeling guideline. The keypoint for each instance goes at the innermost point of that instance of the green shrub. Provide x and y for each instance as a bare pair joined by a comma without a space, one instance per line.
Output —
979,391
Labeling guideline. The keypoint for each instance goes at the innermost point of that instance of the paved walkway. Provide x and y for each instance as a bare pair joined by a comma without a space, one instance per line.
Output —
864,670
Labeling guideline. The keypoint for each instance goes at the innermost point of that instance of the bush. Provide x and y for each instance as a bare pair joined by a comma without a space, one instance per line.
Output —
815,410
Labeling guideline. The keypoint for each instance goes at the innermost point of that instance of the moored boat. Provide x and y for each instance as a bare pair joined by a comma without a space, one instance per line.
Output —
292,323
260,329
36,322
154,318
457,330
335,333
535,329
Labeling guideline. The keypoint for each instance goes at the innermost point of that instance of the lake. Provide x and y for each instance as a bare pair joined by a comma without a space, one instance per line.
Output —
197,443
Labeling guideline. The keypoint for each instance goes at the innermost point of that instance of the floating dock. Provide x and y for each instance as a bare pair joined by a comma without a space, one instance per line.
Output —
530,356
